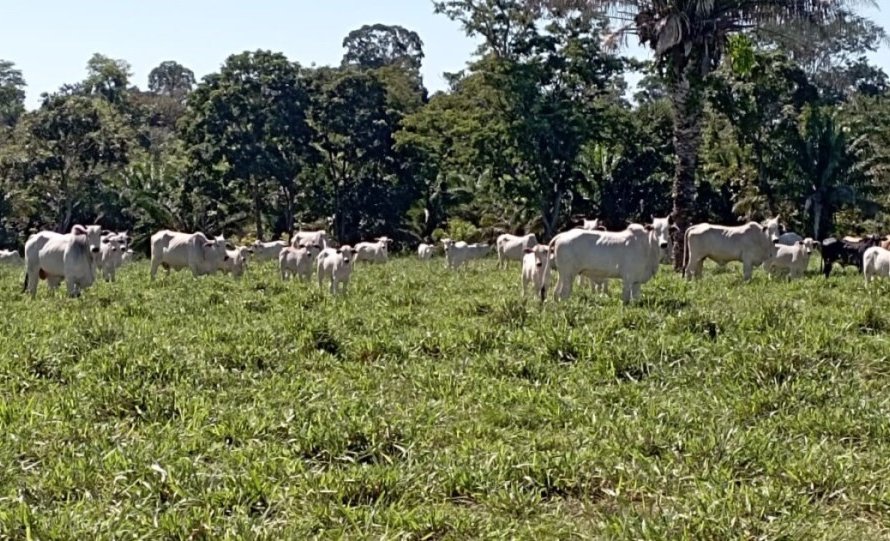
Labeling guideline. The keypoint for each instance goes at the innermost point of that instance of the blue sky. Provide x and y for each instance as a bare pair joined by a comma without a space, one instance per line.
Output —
51,40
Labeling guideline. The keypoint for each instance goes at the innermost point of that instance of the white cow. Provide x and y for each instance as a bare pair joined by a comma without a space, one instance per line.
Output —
630,255
267,251
536,270
875,263
374,252
298,261
55,257
335,264
310,237
592,225
456,253
424,251
795,258
512,247
663,228
174,250
128,257
10,257
749,243
773,228
235,262
111,254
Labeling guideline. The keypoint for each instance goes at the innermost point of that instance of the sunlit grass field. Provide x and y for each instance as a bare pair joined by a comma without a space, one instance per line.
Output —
428,404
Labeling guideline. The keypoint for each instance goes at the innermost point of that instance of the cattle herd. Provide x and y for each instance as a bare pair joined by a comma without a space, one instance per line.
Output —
632,256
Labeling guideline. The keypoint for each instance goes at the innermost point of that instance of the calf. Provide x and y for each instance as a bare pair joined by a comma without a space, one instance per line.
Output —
795,258
10,257
424,251
456,253
374,252
875,263
536,270
513,248
111,254
267,251
298,261
479,251
235,262
56,257
845,252
336,266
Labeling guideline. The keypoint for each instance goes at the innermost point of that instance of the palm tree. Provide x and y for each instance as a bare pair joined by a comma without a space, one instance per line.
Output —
688,39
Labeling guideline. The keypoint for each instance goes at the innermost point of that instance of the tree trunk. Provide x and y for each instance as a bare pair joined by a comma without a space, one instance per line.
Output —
550,221
65,224
257,208
687,104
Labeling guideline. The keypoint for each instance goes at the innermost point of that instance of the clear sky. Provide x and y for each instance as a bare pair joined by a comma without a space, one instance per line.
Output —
51,40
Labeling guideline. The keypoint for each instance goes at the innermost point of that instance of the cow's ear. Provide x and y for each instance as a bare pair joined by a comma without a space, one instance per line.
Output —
339,251
675,227
603,228
105,241
79,230
107,232
648,227
528,250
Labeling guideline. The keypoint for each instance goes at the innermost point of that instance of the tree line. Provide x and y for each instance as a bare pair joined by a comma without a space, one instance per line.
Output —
739,115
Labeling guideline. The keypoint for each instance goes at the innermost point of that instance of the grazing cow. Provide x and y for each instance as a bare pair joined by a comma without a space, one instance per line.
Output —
309,238
425,251
631,255
10,257
335,264
845,252
267,251
536,270
592,225
374,252
174,250
795,258
750,243
875,263
513,247
298,261
55,257
456,253
111,254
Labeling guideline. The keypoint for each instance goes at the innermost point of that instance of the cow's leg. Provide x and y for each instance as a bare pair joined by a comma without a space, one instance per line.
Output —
33,276
343,286
155,263
564,286
524,283
635,290
626,291
333,286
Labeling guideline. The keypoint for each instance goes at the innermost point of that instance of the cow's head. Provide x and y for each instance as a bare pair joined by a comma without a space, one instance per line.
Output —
542,252
214,249
447,243
662,228
773,228
347,252
592,225
92,233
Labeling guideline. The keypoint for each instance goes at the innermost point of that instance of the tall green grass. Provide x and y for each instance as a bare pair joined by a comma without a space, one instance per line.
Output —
428,404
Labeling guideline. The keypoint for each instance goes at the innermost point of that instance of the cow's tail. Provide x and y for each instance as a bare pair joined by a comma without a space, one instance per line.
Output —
548,262
686,253
25,284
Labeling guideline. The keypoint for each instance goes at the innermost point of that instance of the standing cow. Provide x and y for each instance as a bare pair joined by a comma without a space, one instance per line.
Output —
335,264
267,251
750,243
536,270
875,263
298,261
10,257
373,252
174,250
309,238
513,247
845,252
55,257
631,255
424,251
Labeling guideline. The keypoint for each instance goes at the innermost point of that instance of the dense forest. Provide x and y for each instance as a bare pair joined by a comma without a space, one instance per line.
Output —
738,115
